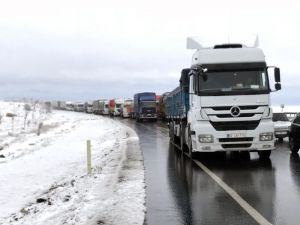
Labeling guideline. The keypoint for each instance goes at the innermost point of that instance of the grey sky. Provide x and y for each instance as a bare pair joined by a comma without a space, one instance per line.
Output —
81,50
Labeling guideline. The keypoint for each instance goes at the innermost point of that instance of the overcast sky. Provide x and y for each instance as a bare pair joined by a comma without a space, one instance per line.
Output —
80,50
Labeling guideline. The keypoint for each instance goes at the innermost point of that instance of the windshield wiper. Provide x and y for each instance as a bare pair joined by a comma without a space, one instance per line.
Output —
246,89
212,91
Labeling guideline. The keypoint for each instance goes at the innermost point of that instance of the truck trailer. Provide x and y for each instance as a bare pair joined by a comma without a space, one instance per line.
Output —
162,106
145,106
223,101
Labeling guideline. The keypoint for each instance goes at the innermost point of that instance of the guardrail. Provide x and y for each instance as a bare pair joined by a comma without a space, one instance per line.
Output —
291,115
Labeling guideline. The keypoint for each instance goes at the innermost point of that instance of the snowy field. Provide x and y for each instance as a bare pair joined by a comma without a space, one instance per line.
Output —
43,174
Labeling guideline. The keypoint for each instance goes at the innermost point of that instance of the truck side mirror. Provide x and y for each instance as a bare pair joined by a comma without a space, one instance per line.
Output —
276,72
278,86
277,75
185,80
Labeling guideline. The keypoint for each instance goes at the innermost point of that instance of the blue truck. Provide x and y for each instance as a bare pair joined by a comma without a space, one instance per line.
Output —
145,106
177,101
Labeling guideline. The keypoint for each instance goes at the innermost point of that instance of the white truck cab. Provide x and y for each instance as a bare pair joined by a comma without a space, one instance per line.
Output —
106,107
118,106
228,98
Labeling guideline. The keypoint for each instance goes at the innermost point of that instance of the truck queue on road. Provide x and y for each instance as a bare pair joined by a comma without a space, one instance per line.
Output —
145,106
222,102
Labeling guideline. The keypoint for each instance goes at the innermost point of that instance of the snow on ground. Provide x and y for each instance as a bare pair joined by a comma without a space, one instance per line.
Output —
43,178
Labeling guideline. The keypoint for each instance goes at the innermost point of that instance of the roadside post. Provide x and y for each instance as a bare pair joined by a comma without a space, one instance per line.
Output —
89,157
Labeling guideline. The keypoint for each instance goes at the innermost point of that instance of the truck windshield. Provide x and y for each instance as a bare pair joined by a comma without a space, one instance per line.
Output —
148,104
237,82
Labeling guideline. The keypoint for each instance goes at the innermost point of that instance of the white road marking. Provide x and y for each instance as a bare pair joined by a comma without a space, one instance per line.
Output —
248,208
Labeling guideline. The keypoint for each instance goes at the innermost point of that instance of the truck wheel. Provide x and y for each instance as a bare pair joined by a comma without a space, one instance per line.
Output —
171,132
264,154
294,145
181,142
183,146
190,147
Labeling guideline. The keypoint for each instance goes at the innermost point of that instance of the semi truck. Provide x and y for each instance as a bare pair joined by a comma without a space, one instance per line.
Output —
69,106
79,107
111,107
103,106
222,102
106,107
88,107
145,106
118,106
127,108
96,107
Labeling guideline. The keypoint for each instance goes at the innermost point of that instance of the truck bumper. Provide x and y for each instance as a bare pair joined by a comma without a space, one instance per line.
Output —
237,140
125,115
148,116
281,133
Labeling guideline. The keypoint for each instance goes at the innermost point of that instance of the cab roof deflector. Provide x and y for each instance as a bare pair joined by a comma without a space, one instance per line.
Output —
193,43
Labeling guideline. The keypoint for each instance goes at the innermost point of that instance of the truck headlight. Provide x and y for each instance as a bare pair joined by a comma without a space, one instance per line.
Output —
268,136
205,138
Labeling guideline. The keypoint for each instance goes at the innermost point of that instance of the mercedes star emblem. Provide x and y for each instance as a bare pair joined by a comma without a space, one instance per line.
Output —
235,111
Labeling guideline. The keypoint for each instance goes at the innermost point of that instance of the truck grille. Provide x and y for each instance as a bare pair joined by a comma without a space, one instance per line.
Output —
245,107
235,125
230,116
148,110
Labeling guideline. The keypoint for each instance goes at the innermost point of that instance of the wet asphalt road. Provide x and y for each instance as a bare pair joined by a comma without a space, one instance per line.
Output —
180,192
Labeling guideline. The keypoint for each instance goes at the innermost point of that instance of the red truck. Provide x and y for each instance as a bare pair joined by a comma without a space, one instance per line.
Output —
111,105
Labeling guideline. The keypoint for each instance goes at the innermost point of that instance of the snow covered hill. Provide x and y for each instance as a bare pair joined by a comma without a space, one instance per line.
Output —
43,178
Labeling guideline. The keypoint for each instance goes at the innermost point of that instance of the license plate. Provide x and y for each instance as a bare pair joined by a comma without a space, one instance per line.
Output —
236,135
282,132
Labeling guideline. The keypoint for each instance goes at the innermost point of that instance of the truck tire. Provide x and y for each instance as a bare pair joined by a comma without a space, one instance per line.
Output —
171,131
294,145
183,146
190,148
264,154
